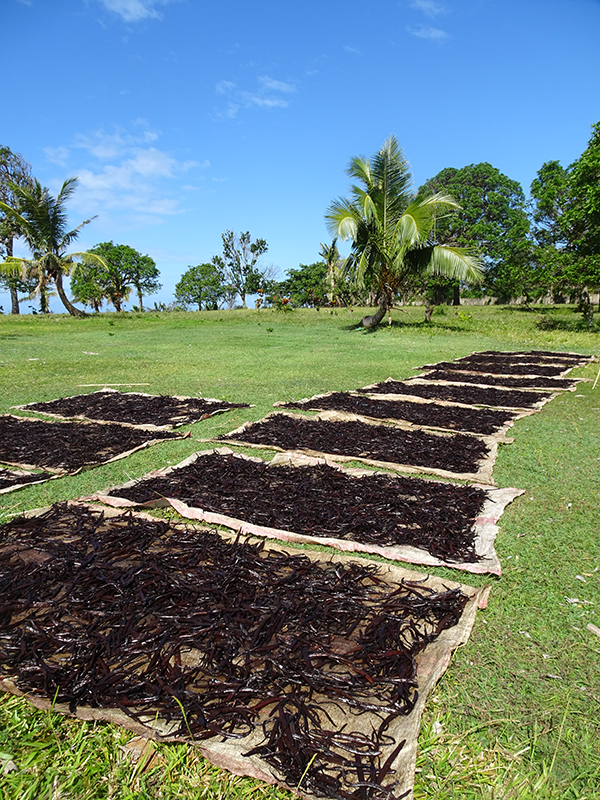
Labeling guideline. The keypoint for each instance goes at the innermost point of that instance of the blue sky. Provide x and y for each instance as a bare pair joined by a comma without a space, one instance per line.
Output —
184,118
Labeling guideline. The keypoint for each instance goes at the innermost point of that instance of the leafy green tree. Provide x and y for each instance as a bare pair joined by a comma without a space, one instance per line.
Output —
240,264
13,170
306,286
566,219
392,231
492,217
202,285
42,221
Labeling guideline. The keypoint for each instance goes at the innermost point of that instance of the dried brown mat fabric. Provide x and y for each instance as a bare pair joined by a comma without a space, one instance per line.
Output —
303,499
431,415
304,670
454,455
576,358
69,446
134,408
556,384
464,394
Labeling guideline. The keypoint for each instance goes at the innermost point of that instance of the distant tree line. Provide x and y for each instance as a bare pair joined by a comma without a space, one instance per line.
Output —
469,231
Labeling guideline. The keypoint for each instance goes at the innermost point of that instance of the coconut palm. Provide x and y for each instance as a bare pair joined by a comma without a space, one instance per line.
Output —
392,230
41,220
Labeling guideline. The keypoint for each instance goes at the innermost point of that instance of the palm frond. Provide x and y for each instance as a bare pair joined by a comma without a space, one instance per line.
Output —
459,263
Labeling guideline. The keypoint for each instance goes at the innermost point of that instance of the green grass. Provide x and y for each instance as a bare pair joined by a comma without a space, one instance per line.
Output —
519,706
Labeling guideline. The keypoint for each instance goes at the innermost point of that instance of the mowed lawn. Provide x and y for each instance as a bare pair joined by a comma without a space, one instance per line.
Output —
517,715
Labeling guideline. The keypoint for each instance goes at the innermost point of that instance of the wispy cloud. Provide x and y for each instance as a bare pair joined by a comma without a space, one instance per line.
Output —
425,32
269,93
124,177
429,7
134,10
354,50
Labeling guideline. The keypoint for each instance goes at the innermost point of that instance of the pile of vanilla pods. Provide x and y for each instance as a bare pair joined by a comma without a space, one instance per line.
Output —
478,420
457,453
134,408
218,639
9,477
68,446
378,509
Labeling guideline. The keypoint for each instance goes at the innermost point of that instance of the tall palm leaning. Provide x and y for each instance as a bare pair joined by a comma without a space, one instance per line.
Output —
391,230
41,220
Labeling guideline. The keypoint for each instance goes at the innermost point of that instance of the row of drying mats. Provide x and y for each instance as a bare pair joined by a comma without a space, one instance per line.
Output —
295,667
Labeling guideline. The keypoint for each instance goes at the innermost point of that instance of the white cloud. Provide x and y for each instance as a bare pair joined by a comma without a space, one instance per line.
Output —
267,95
124,177
57,155
354,50
134,10
428,7
424,32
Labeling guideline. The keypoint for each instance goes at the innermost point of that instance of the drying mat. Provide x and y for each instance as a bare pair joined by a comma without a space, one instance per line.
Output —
297,498
343,437
320,665
418,412
502,367
532,357
514,382
462,394
12,479
67,447
140,410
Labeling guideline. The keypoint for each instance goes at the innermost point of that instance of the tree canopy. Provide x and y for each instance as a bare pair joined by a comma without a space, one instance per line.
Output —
240,264
202,285
392,231
122,269
41,220
492,217
14,169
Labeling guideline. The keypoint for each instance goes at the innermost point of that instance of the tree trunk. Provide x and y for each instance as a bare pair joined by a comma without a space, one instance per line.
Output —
373,320
141,307
73,311
456,294
429,309
14,294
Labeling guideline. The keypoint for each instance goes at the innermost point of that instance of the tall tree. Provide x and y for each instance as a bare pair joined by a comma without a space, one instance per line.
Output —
240,262
331,256
14,169
492,217
42,222
306,286
392,231
567,223
202,285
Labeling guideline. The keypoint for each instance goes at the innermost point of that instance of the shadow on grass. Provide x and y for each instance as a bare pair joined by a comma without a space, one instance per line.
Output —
546,323
414,325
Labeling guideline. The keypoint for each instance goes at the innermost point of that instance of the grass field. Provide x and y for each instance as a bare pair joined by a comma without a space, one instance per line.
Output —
517,714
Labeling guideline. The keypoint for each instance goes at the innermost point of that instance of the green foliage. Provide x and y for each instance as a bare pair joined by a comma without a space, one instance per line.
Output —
121,270
41,220
202,285
493,218
392,231
240,264
306,286
567,224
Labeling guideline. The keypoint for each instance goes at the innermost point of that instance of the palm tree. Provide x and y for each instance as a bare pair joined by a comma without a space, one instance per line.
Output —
392,230
42,221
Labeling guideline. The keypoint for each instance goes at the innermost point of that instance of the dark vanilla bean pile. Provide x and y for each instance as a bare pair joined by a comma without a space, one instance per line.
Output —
68,446
485,421
9,477
457,453
320,500
500,366
135,408
220,639
470,395
498,380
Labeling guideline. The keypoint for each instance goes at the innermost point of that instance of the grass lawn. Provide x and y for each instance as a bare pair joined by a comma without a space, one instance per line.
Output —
517,714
